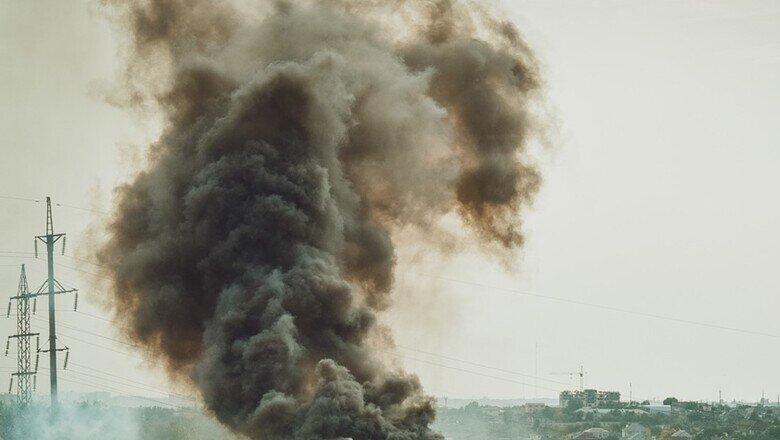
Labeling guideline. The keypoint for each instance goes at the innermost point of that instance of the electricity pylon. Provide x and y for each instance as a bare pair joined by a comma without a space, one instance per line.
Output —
50,288
23,371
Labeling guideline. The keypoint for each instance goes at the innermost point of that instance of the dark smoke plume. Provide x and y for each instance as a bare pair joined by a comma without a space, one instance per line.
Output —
254,251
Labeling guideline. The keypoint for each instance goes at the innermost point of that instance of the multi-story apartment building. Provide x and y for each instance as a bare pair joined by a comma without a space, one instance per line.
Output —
590,397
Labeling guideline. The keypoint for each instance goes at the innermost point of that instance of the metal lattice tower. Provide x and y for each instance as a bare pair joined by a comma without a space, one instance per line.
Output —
24,371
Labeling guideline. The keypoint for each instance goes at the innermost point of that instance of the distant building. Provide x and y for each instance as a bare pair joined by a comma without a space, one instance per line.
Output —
635,431
590,397
609,396
681,435
533,407
565,398
591,434
658,409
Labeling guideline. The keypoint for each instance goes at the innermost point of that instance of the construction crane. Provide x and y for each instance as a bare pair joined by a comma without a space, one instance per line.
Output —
571,375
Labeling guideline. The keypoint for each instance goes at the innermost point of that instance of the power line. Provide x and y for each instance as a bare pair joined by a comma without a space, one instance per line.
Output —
129,380
419,351
84,271
83,260
124,353
72,327
463,370
21,199
79,312
515,292
116,390
82,209
24,254
60,265
394,354
63,205
481,365
134,385
69,336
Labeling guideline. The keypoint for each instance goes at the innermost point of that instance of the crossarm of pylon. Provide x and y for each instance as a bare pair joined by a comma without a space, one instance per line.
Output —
59,349
23,335
55,237
42,292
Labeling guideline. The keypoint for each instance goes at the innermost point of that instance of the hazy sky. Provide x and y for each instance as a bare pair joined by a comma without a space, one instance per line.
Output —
659,198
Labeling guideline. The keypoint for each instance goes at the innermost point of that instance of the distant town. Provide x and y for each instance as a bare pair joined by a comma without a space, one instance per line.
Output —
594,414
576,415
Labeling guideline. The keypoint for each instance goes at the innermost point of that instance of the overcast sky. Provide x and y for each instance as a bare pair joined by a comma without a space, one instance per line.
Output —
660,200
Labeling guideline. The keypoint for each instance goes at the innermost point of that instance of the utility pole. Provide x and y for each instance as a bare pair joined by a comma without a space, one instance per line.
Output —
50,288
22,336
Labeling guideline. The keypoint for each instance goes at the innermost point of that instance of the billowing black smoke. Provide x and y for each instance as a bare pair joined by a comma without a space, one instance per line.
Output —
254,251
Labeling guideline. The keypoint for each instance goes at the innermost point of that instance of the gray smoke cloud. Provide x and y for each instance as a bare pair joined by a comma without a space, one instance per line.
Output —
255,250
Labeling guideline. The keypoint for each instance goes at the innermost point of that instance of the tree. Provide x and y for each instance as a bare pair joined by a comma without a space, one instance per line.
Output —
573,406
670,401
472,406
